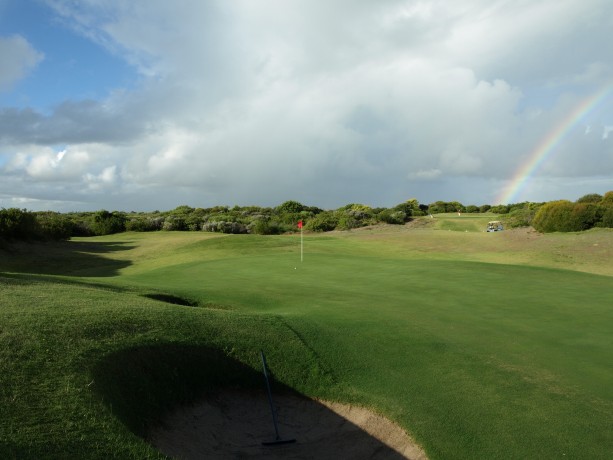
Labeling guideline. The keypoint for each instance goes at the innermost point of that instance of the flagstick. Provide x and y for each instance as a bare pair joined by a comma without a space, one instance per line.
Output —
301,245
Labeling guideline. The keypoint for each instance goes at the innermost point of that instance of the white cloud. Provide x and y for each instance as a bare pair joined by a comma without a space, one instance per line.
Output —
18,58
328,100
47,164
426,174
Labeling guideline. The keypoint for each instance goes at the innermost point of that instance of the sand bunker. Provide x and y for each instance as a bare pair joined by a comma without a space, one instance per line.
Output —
233,425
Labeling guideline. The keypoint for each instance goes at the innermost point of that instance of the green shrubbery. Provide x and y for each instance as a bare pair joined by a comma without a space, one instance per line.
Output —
20,224
585,213
589,211
521,214
107,223
323,222
54,226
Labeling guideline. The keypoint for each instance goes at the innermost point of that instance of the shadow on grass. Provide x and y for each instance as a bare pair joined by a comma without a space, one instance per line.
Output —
67,258
172,299
148,387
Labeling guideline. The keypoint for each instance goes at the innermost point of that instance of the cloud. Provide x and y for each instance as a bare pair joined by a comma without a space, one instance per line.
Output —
18,58
329,102
426,174
73,122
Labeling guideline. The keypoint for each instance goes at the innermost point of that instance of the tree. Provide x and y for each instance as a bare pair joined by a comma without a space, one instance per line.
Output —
590,198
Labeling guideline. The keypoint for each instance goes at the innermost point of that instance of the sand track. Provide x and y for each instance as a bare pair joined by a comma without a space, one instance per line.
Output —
233,425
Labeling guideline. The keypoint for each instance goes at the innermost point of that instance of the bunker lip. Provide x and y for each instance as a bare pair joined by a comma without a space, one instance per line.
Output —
234,424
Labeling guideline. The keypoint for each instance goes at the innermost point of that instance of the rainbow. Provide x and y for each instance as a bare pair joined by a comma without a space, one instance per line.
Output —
548,144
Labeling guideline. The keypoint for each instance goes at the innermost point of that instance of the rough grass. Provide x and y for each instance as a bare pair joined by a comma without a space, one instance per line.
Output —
481,345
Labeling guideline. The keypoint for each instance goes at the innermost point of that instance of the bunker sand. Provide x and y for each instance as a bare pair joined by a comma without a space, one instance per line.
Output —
233,425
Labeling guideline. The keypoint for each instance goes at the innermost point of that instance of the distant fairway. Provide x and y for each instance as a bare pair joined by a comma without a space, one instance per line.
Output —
480,345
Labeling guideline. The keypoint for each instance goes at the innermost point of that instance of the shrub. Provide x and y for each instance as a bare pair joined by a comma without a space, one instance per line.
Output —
522,215
264,226
224,227
409,208
174,224
144,224
390,216
347,222
500,209
54,226
607,217
107,223
290,207
446,206
607,199
323,222
590,198
18,224
564,216
586,216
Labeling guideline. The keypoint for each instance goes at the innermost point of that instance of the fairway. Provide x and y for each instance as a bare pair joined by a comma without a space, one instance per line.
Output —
479,345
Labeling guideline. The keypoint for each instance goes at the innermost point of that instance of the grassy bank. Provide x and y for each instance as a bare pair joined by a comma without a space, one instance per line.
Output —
480,345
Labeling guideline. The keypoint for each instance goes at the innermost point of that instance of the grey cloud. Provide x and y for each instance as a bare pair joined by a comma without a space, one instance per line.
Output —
18,58
70,123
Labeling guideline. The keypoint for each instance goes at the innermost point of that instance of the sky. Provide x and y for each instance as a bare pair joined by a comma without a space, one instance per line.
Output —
141,105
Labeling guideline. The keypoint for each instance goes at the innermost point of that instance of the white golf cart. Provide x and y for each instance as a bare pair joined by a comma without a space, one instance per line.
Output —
495,226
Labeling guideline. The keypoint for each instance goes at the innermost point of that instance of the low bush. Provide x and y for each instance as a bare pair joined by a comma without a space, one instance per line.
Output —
264,226
323,222
390,216
225,227
144,224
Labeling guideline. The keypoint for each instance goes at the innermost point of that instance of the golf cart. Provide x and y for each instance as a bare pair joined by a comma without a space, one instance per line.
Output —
494,226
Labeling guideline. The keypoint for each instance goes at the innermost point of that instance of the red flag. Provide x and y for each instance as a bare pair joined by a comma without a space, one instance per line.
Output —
299,224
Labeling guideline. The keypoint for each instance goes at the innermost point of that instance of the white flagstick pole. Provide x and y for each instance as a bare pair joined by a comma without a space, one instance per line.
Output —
301,243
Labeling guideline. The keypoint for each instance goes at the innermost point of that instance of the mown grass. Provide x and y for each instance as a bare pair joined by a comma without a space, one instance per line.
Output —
475,359
86,370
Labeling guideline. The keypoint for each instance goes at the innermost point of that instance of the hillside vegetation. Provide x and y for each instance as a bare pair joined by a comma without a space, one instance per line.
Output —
587,212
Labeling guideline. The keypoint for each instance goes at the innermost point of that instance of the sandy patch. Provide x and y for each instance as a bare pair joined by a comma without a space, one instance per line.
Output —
233,425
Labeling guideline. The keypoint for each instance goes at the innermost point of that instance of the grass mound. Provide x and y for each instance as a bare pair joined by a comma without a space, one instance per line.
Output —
85,370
